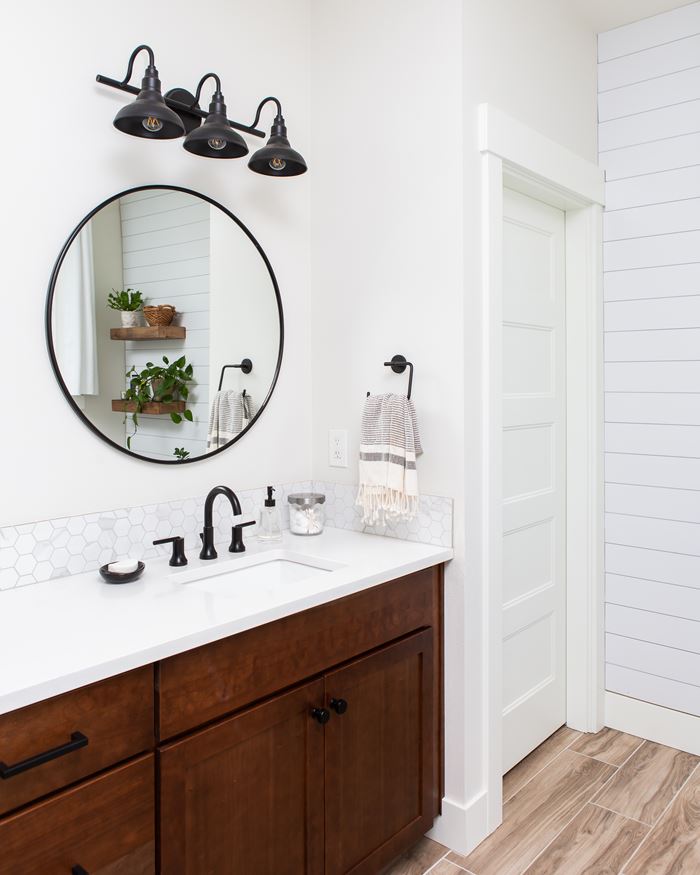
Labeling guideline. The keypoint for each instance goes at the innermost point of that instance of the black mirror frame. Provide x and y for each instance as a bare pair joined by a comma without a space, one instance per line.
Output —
49,329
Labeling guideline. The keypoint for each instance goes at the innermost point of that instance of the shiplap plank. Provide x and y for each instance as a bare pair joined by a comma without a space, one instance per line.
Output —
668,536
653,440
191,267
649,94
655,61
676,281
653,188
652,220
163,290
654,408
165,201
649,32
653,314
653,659
652,376
653,501
648,688
662,345
652,595
653,157
682,248
196,212
666,471
657,124
653,627
167,236
646,564
161,256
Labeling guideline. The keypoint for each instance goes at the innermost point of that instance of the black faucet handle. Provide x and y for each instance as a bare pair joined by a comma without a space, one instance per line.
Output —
178,555
237,545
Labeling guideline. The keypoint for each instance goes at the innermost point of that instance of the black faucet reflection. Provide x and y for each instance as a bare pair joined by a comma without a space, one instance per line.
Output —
237,546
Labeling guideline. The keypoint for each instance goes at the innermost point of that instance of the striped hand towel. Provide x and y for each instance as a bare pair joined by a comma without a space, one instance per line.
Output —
389,444
230,413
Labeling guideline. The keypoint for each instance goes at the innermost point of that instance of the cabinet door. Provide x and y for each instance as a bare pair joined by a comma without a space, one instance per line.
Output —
246,794
379,756
104,826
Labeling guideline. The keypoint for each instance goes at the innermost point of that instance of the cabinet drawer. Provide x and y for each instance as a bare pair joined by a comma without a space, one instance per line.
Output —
106,826
115,716
210,681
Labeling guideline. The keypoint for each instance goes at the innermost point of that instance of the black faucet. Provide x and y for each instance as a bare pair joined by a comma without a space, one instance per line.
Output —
237,545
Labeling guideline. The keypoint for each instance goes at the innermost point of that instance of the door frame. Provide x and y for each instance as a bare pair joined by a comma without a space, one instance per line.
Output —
517,157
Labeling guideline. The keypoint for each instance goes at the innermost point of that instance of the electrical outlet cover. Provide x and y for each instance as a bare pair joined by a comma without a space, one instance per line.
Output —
337,447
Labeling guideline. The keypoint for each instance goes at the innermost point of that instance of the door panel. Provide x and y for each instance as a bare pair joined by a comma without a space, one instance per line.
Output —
534,474
247,794
380,756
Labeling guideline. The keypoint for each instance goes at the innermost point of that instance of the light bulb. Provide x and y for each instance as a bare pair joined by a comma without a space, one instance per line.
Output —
278,163
217,143
152,124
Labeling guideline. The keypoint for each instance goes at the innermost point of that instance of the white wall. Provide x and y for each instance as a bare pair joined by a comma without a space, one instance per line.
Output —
396,248
51,464
649,108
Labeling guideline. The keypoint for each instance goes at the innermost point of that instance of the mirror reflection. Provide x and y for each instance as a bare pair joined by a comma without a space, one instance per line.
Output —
165,325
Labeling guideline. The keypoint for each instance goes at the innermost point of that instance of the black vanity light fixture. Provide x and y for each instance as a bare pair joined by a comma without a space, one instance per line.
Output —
208,134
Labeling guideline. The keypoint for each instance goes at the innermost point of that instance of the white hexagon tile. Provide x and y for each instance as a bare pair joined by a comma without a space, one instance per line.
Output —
35,552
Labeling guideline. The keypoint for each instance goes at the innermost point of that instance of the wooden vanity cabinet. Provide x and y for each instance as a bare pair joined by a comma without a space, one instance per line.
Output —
311,745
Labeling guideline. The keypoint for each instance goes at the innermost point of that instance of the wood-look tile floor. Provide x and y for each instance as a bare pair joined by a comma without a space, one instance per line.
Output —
604,804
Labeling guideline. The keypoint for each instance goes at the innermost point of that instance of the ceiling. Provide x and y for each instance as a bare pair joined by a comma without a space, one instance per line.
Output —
603,15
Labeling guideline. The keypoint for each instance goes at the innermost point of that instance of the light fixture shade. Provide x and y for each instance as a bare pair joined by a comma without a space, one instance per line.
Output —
215,138
277,158
148,116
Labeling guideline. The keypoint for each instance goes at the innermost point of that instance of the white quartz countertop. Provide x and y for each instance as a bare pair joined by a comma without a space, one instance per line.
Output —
62,634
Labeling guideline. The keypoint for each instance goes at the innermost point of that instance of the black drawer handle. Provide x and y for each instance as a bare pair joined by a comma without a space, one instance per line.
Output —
321,715
77,740
78,870
340,706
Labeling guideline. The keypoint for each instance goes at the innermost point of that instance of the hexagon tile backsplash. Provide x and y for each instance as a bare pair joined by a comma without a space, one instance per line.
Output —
50,549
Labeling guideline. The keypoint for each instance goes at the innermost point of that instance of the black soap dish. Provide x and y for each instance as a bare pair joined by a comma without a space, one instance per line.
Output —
113,577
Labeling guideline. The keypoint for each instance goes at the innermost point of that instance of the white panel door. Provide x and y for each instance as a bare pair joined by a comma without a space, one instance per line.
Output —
534,474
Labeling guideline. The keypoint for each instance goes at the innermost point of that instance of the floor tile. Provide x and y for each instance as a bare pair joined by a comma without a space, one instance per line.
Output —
673,845
647,782
595,842
534,816
608,745
520,774
418,859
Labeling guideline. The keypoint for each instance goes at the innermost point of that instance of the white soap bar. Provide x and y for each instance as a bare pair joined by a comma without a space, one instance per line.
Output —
123,566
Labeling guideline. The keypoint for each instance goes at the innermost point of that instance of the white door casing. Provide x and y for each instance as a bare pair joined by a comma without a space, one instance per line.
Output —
533,473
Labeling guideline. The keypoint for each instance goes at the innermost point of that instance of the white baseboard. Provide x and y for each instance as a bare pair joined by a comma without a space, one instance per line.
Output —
663,725
462,827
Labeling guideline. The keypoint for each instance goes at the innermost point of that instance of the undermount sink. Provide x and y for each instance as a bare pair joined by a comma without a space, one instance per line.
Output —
268,570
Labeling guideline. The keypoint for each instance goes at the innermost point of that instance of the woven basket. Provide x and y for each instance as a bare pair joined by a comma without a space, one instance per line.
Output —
160,314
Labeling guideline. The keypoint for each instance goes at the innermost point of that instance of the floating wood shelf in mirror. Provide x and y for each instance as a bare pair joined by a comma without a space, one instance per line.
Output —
164,245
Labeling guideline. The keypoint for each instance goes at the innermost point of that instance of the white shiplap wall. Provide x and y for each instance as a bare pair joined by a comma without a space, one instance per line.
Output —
649,140
165,242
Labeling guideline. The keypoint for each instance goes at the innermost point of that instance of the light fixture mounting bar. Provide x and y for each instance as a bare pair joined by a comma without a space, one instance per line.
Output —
178,106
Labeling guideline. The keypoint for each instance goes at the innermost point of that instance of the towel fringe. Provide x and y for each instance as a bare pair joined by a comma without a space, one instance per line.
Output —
380,503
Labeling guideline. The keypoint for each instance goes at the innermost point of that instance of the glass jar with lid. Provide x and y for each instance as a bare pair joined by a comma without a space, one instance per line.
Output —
306,513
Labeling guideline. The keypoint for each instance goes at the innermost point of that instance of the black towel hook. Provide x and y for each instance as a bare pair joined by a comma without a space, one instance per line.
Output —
398,365
246,367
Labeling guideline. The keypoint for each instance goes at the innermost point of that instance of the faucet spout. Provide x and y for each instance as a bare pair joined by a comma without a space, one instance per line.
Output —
208,551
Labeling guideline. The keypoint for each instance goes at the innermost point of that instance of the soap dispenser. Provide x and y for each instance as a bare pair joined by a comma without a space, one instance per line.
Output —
270,520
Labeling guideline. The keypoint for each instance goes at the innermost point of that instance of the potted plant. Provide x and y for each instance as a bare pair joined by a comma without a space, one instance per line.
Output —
158,383
128,302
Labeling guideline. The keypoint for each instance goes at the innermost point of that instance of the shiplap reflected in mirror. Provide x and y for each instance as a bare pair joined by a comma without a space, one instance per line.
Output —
165,324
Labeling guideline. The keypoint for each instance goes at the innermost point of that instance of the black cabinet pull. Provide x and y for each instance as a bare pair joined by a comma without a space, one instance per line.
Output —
321,715
78,870
340,706
77,740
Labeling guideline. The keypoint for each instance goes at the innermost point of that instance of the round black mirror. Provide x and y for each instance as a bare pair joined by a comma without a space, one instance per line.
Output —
164,324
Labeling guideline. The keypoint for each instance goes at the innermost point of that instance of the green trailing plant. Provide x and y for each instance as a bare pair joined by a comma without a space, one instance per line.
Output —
181,453
125,300
156,383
